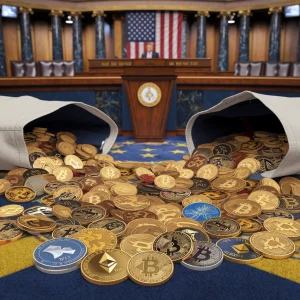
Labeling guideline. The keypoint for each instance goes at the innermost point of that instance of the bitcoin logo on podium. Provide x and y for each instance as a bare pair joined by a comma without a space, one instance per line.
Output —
149,94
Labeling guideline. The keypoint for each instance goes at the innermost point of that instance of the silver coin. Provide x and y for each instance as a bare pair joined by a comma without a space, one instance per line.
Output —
38,211
37,184
62,271
206,256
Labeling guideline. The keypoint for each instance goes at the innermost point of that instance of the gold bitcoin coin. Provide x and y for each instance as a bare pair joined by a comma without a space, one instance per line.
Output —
209,172
96,239
249,163
74,161
93,197
68,192
137,243
45,163
18,171
36,224
249,225
131,203
107,267
183,183
196,198
135,224
242,208
4,186
182,222
272,245
20,194
9,232
65,148
266,200
63,174
105,157
147,229
165,212
150,268
216,195
11,210
164,182
241,172
124,189
61,211
118,227
109,173
287,227
47,200
186,173
229,184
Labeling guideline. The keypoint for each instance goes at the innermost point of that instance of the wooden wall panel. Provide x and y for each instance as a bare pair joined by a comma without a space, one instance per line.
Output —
290,38
233,45
41,40
89,43
117,37
109,33
67,40
212,44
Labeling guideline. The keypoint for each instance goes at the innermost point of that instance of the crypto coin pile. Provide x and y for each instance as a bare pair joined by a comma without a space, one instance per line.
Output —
117,220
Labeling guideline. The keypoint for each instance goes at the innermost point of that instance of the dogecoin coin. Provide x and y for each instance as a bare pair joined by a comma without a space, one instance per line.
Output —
221,227
88,214
137,243
107,267
242,208
118,227
11,210
150,268
238,250
272,245
287,227
195,234
96,239
206,256
177,245
201,211
66,231
9,232
20,194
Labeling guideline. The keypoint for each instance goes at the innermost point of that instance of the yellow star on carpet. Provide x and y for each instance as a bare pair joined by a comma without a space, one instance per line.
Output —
118,151
129,143
116,146
148,155
165,143
181,144
177,152
148,150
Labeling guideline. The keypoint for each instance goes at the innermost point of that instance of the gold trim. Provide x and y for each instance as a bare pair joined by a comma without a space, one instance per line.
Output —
202,13
56,13
274,10
145,86
25,10
76,14
244,13
224,14
97,13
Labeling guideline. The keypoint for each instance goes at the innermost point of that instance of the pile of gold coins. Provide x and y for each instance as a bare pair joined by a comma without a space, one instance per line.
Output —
135,220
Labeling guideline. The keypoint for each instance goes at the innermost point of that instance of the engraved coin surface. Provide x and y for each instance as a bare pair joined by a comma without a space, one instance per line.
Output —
118,227
106,267
206,256
287,227
266,200
177,245
20,194
242,208
137,243
221,227
88,214
66,231
9,232
150,268
195,234
149,94
11,210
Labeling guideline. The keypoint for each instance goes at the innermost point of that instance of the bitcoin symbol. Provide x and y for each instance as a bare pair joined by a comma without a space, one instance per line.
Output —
262,200
174,247
202,254
290,203
74,163
94,199
90,182
149,266
62,175
273,243
228,184
141,246
206,173
244,208
287,226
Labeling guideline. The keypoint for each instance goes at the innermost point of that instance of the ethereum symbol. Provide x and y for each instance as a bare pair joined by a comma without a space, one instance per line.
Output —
107,262
240,249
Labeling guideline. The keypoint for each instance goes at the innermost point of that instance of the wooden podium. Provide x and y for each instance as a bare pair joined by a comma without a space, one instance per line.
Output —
149,122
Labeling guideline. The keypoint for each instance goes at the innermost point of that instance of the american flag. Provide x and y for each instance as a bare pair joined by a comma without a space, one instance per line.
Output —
162,29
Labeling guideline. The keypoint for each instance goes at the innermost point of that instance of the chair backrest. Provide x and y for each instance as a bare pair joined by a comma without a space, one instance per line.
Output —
284,69
241,68
296,69
57,68
256,68
271,69
23,68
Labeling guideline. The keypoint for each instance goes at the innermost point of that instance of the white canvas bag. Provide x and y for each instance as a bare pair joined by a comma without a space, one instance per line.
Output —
266,112
88,123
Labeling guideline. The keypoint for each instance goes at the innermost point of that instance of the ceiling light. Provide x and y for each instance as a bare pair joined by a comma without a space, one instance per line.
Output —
69,20
231,21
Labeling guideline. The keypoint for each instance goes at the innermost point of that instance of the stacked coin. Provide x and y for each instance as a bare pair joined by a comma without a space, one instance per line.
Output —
136,219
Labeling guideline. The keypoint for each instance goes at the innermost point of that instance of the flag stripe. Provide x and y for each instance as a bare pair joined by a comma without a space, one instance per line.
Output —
166,37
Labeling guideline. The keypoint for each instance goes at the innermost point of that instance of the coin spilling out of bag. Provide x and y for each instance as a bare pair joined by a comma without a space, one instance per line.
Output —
118,220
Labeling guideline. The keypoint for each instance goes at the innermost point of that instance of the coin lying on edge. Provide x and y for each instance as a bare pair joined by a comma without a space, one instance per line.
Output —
150,268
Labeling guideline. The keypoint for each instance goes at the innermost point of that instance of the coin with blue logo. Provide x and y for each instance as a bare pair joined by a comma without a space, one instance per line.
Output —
61,255
201,211
238,250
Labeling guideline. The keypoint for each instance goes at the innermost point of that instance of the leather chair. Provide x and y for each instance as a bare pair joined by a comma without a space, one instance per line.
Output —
271,68
241,68
23,68
256,68
284,69
57,68
295,69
